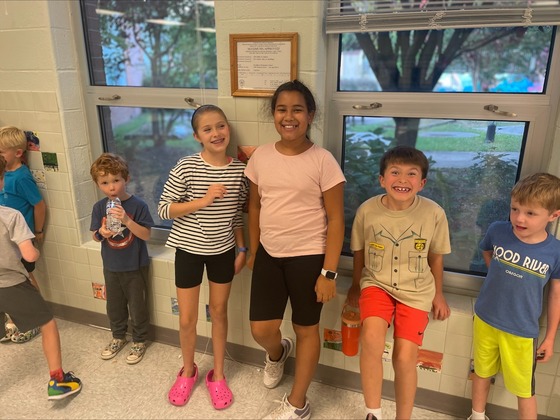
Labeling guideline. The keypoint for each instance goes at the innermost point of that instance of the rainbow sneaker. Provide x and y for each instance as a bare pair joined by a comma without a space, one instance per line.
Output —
68,386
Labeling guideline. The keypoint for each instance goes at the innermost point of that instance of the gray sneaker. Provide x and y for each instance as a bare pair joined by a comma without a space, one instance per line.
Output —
113,348
136,353
273,371
287,411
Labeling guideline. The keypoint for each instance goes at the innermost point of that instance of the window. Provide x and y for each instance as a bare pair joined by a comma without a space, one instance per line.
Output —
150,63
478,102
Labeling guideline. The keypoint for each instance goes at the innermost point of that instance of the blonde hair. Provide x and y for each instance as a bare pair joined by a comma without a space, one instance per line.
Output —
109,163
540,188
12,138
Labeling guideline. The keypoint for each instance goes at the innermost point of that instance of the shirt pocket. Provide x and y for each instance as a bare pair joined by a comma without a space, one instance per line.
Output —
376,258
417,261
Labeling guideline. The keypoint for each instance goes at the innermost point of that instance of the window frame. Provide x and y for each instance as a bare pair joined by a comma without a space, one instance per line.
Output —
140,97
540,110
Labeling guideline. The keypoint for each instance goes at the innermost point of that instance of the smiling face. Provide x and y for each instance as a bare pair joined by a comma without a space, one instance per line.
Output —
13,157
402,182
212,132
291,116
530,221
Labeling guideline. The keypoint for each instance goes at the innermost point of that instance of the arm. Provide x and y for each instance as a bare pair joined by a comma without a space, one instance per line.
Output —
546,349
487,255
354,290
254,224
28,252
39,216
439,305
215,192
142,232
333,200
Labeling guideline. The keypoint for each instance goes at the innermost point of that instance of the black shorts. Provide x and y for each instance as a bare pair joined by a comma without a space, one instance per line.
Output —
29,266
25,305
189,268
277,279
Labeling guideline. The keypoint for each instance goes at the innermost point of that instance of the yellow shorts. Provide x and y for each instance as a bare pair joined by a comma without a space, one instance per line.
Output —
515,356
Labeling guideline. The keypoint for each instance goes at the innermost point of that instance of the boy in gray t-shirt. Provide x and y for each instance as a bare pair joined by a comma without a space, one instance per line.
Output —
22,300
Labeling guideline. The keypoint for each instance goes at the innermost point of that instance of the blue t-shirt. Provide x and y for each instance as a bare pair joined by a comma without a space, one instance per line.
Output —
511,296
21,193
124,252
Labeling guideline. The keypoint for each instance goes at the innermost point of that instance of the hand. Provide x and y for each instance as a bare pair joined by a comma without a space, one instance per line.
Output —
239,262
250,262
440,308
215,192
40,238
119,213
545,351
325,289
353,295
103,231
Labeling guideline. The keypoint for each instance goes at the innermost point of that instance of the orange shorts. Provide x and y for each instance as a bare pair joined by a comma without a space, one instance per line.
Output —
410,323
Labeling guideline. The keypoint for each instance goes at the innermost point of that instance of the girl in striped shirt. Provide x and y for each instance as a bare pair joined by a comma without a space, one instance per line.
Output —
204,195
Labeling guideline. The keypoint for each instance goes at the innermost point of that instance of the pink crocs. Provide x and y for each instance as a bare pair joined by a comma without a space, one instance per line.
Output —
220,394
181,390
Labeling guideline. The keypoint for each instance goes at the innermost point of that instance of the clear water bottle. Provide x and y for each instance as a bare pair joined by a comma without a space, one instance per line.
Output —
113,224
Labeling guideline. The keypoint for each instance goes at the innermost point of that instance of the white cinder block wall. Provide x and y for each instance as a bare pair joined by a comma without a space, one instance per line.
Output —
41,90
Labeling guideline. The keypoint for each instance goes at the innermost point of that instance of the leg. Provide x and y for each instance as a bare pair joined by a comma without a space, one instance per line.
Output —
117,309
269,337
135,287
372,340
33,281
188,317
51,345
405,356
219,295
527,408
308,349
480,389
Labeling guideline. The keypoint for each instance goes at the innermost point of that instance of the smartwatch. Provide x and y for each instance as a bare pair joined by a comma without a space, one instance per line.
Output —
331,275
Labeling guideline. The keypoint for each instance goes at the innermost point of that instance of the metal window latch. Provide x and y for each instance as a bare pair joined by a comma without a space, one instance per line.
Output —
192,102
374,105
109,98
494,109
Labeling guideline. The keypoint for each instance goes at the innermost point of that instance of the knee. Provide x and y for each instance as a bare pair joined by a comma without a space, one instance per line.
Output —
218,312
187,323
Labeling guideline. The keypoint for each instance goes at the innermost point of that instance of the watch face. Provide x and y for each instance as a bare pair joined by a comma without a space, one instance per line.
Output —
330,275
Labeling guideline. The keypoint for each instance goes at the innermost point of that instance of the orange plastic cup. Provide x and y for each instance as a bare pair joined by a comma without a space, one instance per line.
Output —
350,330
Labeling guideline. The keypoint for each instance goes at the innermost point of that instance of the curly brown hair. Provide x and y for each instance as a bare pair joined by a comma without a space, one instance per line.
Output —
108,163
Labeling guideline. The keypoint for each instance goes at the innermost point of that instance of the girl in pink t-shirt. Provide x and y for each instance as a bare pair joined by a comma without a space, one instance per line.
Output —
296,230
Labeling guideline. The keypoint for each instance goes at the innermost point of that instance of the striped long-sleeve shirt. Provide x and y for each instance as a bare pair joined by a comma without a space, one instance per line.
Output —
207,231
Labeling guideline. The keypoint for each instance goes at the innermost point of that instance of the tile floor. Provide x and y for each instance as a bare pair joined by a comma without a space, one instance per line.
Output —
115,390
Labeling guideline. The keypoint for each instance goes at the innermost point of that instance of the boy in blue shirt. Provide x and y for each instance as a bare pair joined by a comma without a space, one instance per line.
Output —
20,192
23,301
125,256
522,258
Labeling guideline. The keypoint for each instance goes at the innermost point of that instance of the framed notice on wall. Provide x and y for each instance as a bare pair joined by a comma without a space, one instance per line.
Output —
261,62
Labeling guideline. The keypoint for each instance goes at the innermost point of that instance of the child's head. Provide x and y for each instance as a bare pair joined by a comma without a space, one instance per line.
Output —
109,164
404,155
293,109
203,110
294,86
13,144
540,189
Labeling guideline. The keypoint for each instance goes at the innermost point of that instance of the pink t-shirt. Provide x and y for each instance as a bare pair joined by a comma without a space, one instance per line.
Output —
293,219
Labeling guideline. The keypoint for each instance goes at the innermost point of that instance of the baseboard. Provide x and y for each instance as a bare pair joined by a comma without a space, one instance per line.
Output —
430,400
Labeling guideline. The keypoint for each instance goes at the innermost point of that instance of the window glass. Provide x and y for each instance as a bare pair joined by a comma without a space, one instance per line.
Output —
473,166
500,60
151,43
152,140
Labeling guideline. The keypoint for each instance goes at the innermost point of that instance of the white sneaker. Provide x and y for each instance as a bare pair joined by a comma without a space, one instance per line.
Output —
113,348
136,354
273,371
470,417
288,411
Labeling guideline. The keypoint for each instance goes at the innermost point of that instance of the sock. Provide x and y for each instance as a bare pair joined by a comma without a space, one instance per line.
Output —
376,412
57,374
478,416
